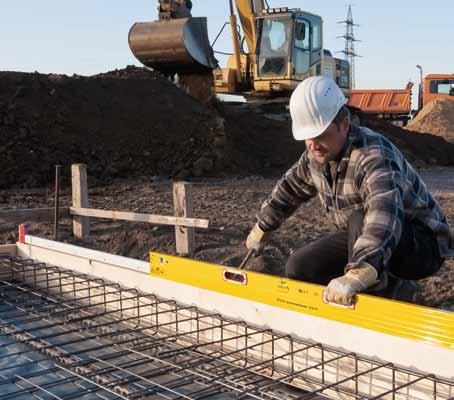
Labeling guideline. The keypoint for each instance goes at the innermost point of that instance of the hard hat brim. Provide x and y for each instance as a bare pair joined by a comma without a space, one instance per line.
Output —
305,133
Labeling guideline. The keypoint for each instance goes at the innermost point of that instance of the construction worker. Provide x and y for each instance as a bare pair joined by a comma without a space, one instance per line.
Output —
391,228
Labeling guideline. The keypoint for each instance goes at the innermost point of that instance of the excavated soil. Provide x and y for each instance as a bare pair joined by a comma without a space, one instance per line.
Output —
437,118
128,123
134,122
119,127
422,149
199,86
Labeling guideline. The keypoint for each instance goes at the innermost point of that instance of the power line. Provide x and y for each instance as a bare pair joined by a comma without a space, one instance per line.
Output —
349,50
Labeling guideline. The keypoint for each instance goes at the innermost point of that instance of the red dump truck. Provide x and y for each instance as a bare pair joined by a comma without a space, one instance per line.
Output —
395,105
389,104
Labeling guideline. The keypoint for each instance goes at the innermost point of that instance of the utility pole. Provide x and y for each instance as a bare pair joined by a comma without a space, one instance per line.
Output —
420,88
349,50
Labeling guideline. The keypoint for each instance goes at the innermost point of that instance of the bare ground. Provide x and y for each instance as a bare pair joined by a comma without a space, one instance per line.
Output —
230,205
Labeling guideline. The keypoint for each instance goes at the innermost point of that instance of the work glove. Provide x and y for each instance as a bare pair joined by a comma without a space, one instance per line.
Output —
257,239
342,290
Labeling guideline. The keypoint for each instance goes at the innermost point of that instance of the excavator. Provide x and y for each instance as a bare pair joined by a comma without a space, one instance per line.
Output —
278,48
284,46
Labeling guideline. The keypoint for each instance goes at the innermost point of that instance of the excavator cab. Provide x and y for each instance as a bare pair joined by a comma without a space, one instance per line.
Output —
289,48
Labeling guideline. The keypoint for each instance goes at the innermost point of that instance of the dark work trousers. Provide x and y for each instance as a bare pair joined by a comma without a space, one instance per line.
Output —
415,257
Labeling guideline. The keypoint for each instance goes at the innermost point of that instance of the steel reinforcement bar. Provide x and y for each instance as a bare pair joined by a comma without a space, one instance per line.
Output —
66,335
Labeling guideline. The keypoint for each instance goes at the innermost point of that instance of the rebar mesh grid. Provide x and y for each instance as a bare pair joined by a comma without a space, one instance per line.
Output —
67,335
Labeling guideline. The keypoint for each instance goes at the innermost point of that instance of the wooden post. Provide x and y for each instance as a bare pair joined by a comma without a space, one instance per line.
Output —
81,225
182,201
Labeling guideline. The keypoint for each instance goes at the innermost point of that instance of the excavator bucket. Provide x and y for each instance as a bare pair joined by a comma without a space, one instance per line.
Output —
173,46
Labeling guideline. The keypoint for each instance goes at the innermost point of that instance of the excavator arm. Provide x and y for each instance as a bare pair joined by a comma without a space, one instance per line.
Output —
170,9
247,10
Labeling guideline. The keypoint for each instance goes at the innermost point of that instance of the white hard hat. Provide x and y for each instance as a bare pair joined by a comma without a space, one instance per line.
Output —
313,106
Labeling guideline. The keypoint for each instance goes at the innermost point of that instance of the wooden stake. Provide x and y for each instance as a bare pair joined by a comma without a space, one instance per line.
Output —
57,201
81,225
182,200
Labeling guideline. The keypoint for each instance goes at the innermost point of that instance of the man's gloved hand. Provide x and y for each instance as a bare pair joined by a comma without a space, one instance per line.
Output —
342,290
257,239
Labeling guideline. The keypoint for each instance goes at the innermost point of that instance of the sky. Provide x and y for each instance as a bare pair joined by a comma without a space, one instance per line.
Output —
91,36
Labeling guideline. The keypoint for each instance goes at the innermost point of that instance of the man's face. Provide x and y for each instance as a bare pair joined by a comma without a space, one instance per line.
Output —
328,145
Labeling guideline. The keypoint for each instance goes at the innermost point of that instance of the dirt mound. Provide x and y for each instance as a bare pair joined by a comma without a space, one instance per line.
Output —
198,86
422,149
127,123
134,122
142,125
131,71
436,118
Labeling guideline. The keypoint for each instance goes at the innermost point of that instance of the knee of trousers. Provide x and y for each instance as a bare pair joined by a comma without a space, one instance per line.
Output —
298,268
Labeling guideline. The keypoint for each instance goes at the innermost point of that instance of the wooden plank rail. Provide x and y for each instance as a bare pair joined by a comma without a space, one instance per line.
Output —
31,215
136,217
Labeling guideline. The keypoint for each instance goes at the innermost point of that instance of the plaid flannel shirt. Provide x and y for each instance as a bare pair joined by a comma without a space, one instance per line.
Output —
372,175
